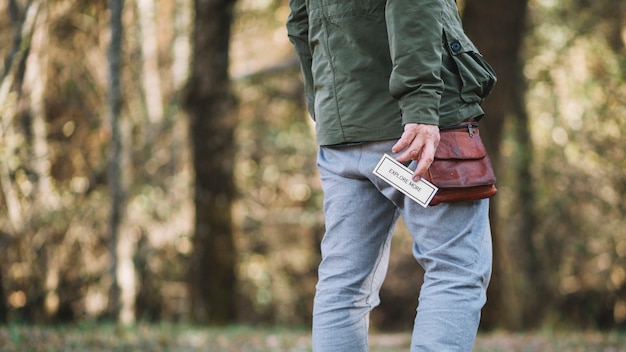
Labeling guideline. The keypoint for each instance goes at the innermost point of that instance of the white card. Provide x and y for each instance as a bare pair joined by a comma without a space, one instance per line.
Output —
401,178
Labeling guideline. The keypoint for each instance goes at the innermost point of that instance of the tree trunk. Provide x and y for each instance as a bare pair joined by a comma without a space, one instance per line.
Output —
13,75
150,65
498,28
34,90
115,180
210,105
4,309
24,22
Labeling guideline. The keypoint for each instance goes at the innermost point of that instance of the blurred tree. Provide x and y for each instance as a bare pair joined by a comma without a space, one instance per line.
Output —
54,139
116,8
23,25
210,105
55,193
21,98
578,97
498,28
4,310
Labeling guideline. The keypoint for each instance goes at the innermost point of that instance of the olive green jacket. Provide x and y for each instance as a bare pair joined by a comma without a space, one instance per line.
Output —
371,66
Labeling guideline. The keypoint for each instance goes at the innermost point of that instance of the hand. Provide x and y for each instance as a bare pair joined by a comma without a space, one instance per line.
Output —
418,142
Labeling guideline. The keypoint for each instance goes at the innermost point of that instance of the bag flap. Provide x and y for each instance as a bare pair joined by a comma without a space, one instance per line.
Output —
459,144
454,174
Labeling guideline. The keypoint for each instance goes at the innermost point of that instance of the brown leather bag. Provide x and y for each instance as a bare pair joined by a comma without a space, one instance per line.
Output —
461,170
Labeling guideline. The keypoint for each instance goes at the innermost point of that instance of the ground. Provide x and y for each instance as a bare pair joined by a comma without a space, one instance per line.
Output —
184,338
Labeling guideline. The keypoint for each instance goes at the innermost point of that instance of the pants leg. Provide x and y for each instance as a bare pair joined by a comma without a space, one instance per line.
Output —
452,242
355,252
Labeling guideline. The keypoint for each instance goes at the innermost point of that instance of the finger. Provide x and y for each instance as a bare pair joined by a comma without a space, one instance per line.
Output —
402,143
411,153
411,130
426,158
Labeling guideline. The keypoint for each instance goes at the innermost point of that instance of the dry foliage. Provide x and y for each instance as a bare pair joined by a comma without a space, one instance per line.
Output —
54,200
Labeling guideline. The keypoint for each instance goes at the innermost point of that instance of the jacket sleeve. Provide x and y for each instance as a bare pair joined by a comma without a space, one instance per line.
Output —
298,33
415,28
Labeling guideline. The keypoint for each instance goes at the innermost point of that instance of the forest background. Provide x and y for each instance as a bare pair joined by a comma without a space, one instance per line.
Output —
187,190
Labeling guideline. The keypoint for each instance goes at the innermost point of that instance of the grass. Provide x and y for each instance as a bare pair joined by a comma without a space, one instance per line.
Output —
184,338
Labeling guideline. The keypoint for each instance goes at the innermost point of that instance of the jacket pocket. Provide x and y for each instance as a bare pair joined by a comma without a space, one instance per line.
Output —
477,76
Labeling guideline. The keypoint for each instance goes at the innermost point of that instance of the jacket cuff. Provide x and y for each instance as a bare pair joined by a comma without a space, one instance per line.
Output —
423,109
